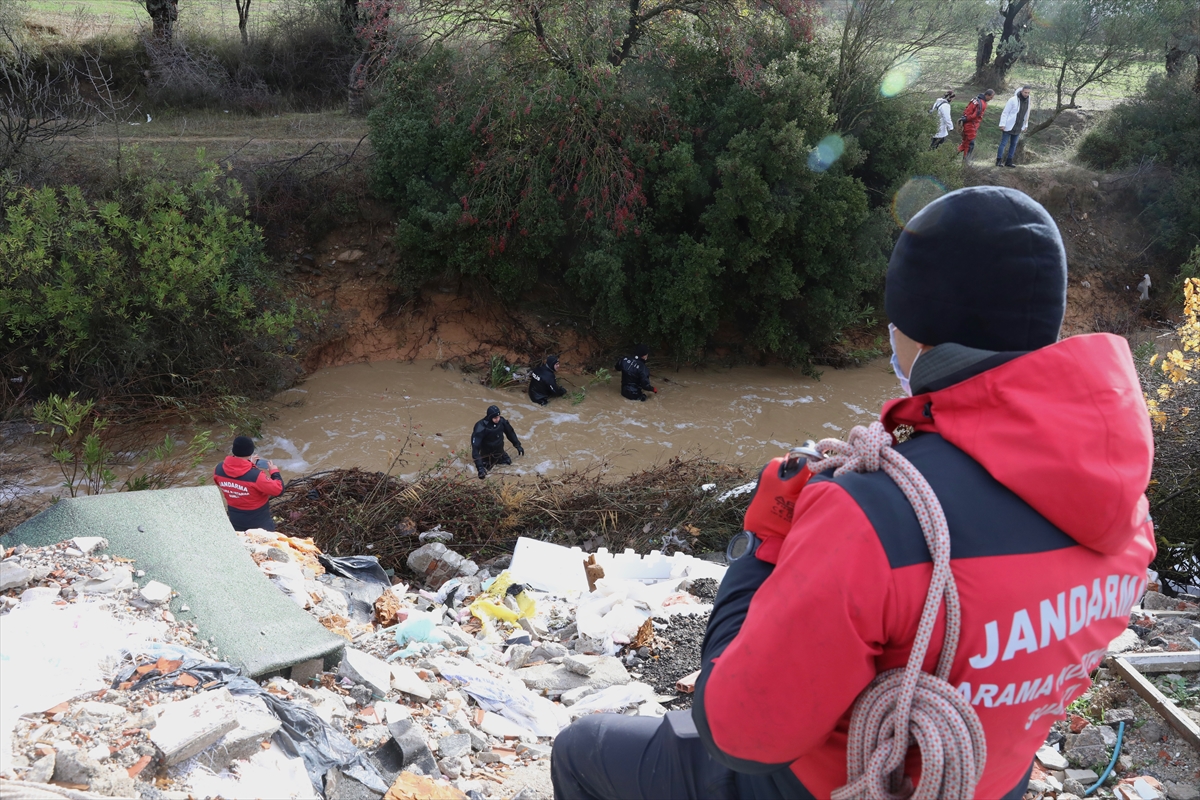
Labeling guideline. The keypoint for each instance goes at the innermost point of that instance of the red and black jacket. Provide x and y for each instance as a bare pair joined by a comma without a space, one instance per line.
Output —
245,486
1041,465
973,117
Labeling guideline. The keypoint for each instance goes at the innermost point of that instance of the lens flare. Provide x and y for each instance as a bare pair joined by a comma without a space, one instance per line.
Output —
914,195
826,153
900,77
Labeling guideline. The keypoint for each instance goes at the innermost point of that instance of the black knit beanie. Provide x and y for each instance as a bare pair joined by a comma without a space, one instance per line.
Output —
641,350
243,447
493,411
551,361
982,267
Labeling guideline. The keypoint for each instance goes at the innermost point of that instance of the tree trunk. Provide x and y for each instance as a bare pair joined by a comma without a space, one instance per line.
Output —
1174,62
163,14
983,55
1017,16
243,9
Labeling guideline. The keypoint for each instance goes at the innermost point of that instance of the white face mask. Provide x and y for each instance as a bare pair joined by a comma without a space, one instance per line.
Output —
905,384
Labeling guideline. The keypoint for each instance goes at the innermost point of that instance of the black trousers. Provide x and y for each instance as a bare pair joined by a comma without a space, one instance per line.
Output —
243,520
632,393
618,757
936,142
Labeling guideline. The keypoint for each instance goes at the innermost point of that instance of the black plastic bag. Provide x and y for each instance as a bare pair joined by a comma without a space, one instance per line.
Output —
359,568
306,736
205,673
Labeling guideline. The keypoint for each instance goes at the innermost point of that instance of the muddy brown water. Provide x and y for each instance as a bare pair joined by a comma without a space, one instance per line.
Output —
364,414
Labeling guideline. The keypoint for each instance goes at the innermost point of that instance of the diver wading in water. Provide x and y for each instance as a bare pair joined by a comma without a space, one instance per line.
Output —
487,441
635,375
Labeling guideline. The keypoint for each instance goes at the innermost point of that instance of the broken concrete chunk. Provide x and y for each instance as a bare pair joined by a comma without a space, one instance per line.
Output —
518,655
72,765
42,770
367,670
1051,759
13,576
114,580
1126,641
580,665
187,727
548,650
454,745
86,544
155,593
254,726
436,564
405,679
573,696
554,679
1084,776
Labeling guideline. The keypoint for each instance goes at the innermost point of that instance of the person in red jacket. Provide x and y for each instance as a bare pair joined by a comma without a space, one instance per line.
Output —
1039,452
970,120
248,486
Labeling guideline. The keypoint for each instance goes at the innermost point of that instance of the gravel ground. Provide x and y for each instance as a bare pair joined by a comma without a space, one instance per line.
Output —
676,653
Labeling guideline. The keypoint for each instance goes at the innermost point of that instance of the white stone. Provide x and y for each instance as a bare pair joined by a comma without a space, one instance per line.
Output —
1145,791
39,594
104,710
391,712
254,726
1126,641
115,580
1050,758
405,679
100,752
13,576
496,725
187,727
156,593
367,670
86,544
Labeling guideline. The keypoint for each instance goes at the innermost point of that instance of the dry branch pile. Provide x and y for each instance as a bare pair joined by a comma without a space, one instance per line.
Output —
354,512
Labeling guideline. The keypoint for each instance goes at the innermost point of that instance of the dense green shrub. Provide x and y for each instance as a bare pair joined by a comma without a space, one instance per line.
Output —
159,291
671,196
1158,127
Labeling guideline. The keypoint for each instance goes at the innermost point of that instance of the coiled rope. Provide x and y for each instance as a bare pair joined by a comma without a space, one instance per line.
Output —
906,706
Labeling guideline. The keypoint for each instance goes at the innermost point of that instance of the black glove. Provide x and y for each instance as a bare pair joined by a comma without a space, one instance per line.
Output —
520,450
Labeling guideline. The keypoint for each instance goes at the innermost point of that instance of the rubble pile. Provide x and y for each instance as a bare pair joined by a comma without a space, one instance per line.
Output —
453,687
1155,762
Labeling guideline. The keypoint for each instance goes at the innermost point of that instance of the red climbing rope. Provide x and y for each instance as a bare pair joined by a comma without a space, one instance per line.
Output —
909,706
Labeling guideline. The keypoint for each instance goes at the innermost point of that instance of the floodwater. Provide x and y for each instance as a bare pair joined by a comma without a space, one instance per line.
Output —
366,415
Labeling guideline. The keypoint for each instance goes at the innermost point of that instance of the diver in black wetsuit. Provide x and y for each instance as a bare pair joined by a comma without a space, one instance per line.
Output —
487,441
542,382
635,375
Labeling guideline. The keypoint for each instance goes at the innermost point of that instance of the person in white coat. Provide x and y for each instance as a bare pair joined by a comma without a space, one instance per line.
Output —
1013,122
941,107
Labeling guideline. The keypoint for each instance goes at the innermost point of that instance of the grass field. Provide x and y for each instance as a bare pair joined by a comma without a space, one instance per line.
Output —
82,19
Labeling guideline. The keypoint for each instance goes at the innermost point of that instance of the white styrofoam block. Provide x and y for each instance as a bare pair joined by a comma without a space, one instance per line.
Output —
549,567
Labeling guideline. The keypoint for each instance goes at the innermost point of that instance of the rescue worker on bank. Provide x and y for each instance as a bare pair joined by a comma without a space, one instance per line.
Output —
487,441
248,486
1039,452
543,383
635,375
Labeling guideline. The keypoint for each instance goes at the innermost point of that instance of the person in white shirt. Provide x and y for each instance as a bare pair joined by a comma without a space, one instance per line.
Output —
941,107
1013,122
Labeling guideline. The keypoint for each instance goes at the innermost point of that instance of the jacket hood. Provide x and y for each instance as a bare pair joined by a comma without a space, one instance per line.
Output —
236,467
1068,415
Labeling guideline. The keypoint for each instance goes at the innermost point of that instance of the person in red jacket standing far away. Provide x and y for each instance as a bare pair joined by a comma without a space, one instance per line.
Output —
1039,454
248,485
970,120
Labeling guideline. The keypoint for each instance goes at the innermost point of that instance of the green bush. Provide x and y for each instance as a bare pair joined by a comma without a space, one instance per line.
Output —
1157,128
670,197
160,291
